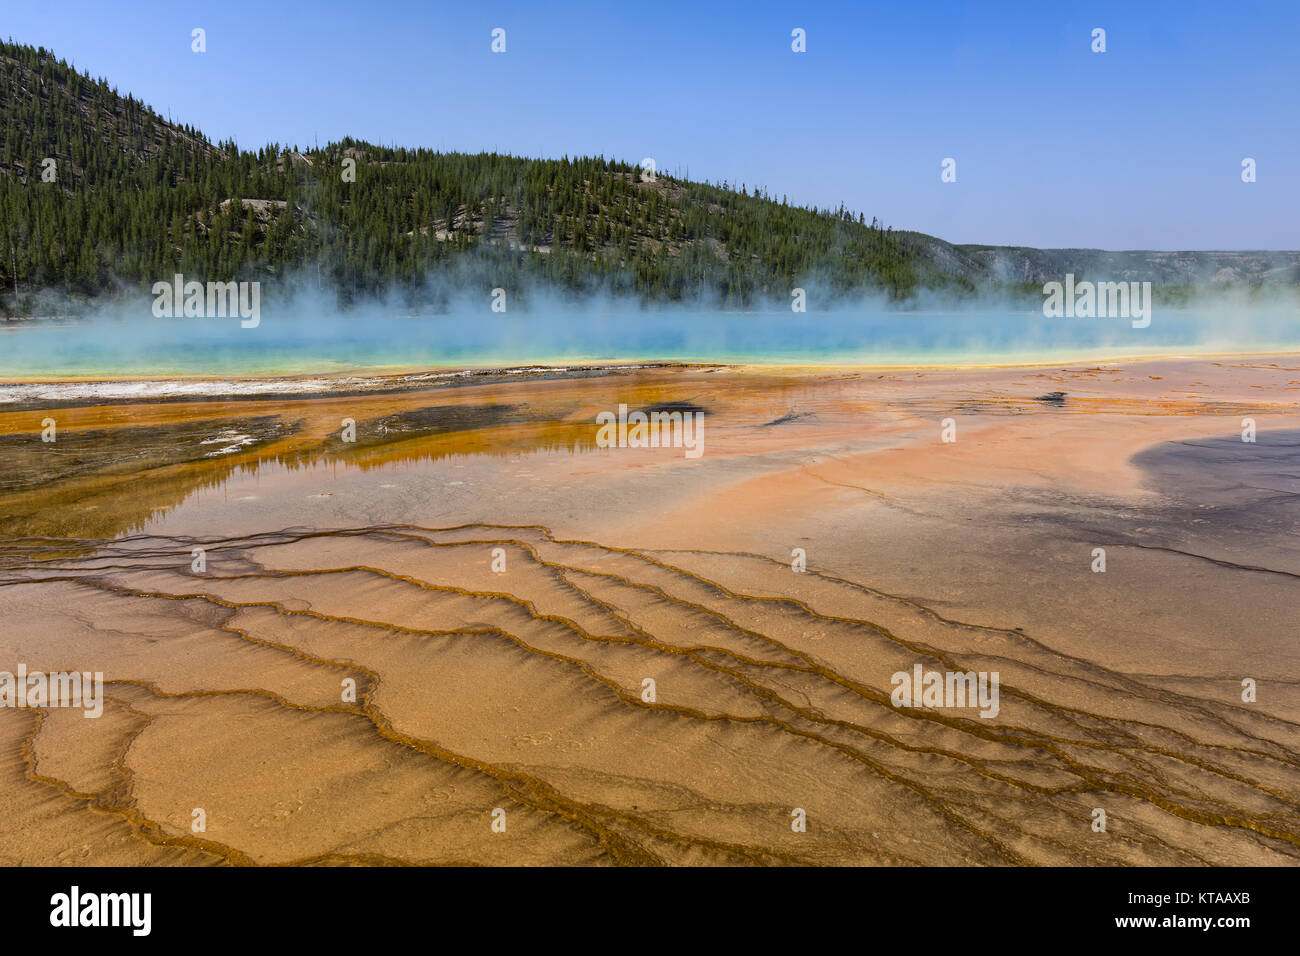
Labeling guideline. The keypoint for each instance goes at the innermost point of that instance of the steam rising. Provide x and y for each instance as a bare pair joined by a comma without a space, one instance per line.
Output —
449,322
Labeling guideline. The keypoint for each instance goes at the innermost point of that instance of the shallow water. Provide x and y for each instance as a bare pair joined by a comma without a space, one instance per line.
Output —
520,686
292,342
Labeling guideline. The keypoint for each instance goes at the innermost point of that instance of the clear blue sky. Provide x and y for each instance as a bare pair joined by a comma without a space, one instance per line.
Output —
1139,147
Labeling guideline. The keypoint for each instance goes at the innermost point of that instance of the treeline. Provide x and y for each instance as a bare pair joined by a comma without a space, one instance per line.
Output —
131,198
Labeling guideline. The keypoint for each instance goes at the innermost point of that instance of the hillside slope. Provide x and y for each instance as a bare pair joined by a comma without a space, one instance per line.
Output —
135,198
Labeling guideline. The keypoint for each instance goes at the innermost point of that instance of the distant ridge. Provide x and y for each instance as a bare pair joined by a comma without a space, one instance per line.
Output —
136,198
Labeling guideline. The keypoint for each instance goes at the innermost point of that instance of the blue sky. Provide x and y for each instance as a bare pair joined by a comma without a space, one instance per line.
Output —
1139,147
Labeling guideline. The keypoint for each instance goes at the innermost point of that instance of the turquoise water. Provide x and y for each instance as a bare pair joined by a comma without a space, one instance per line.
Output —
297,342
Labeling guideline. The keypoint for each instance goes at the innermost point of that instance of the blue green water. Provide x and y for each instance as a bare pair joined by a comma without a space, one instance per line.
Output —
300,342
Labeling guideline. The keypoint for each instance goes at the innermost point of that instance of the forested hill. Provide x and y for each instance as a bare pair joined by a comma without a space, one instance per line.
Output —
99,195
137,198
